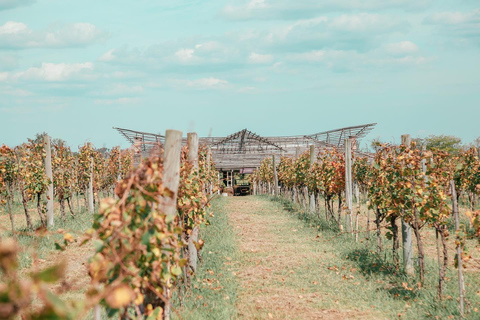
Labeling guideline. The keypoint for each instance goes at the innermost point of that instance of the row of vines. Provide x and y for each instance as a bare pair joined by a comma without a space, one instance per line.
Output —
143,254
402,184
23,173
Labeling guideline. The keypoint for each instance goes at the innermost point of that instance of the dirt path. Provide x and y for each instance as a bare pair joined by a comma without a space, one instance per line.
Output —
284,271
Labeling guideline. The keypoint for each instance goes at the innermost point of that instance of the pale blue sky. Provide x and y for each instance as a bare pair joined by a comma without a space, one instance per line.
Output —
75,69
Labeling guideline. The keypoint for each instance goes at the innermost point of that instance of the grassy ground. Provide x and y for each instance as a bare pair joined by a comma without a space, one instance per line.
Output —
214,289
265,258
286,264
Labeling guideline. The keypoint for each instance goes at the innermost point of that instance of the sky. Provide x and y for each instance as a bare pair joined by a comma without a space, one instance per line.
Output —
75,69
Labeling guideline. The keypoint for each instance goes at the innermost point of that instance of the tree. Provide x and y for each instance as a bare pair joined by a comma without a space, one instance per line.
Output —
443,143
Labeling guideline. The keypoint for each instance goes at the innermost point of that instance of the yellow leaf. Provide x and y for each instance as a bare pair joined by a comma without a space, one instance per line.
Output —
68,237
120,297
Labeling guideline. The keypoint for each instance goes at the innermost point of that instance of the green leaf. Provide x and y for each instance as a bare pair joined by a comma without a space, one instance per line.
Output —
51,274
176,271
155,314
98,245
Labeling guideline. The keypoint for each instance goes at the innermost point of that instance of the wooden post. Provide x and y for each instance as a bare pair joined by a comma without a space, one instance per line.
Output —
91,207
275,177
407,231
192,143
171,169
97,312
357,196
348,183
119,165
209,164
48,171
461,283
171,180
312,194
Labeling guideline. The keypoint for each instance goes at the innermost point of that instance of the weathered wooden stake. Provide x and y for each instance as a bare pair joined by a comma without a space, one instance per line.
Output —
461,283
97,312
91,207
357,196
312,195
275,177
48,171
192,143
209,160
348,183
171,180
407,231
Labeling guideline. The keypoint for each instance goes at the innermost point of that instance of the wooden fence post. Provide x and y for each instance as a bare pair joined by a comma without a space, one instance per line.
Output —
209,164
171,180
192,143
91,207
407,230
312,195
348,183
48,171
97,312
461,283
275,177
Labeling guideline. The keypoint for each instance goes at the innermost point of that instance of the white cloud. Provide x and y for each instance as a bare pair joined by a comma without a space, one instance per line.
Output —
401,48
345,32
453,17
122,89
463,28
8,90
288,9
186,55
312,56
257,58
31,110
4,76
8,61
201,84
248,90
119,101
55,72
363,22
12,27
107,56
409,60
17,35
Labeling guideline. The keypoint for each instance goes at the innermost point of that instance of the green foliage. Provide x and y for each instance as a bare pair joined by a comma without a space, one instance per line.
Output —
443,143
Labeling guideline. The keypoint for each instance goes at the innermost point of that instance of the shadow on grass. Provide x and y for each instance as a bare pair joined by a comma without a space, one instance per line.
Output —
371,264
314,220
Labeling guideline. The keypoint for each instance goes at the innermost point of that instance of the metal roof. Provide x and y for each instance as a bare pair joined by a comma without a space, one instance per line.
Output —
246,149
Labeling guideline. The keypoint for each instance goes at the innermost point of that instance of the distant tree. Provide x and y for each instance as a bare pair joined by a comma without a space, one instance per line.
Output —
375,144
476,142
443,142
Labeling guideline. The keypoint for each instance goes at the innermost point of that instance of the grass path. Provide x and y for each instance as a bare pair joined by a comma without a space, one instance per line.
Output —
264,259
286,271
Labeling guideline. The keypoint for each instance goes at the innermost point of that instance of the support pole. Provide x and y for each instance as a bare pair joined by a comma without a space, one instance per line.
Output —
275,177
312,194
407,230
209,164
348,183
192,143
48,171
91,207
461,283
171,180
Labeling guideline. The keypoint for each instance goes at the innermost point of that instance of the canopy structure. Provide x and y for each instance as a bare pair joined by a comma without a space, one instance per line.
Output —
246,149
